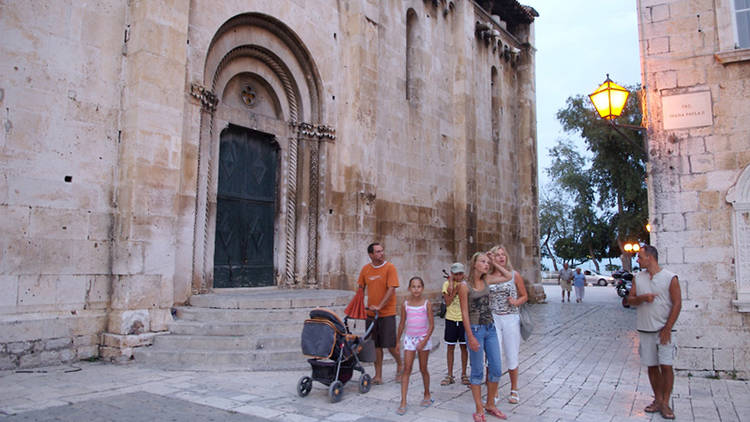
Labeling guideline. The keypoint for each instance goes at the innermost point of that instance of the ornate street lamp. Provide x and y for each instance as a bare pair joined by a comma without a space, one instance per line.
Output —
609,99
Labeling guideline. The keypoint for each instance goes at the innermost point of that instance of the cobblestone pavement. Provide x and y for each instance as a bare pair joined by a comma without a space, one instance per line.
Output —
581,364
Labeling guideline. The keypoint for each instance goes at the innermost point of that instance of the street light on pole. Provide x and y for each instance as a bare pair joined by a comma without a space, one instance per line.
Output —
609,101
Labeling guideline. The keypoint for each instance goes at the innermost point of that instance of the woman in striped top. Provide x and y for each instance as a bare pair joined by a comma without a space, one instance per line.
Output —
416,326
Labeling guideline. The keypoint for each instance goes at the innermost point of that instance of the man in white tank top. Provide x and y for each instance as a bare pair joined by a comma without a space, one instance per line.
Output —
656,293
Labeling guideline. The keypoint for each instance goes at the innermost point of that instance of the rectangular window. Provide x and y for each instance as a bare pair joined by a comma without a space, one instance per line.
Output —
742,16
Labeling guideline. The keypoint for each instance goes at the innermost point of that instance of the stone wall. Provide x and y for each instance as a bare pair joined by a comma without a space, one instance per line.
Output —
60,96
687,48
402,121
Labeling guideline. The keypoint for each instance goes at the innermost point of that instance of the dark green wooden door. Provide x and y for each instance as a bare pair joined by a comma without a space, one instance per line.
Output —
243,253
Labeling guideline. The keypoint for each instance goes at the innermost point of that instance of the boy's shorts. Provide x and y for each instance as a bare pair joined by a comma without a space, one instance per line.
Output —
652,353
454,332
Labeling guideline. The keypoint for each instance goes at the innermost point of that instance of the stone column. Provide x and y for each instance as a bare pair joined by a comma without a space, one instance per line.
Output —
147,183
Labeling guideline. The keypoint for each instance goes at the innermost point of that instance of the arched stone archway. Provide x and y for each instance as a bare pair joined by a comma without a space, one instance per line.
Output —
739,196
258,75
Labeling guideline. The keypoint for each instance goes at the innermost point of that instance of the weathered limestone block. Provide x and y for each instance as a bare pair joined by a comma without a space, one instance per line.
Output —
693,182
673,222
666,79
119,348
87,352
97,291
9,298
723,359
58,343
20,347
129,322
708,254
692,76
128,258
694,358
7,361
160,318
58,224
30,360
721,180
701,163
672,255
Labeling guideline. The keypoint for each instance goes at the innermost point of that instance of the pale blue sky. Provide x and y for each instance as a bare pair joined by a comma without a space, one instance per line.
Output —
578,42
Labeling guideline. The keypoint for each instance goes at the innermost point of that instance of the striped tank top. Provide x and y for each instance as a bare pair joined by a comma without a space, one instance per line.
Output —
416,320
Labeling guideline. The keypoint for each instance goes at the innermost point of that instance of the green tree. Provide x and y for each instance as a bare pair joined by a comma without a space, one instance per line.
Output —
578,231
618,169
553,223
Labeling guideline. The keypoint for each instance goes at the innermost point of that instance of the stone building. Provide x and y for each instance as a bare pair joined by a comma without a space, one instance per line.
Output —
157,149
695,60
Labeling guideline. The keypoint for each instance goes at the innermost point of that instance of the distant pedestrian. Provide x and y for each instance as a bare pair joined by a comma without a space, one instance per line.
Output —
656,293
507,294
579,281
564,279
454,327
380,279
481,336
416,327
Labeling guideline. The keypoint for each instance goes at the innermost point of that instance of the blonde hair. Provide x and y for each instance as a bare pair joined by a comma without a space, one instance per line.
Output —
508,265
472,263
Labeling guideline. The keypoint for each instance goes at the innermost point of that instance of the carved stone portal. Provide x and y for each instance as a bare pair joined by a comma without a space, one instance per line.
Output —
739,197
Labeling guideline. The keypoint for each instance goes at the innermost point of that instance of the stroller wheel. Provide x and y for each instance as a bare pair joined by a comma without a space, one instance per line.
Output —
304,386
364,383
335,391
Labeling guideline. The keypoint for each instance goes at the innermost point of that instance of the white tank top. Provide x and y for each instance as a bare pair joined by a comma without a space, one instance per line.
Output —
651,317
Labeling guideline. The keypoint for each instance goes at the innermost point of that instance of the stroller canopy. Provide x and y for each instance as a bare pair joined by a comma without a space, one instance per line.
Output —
329,315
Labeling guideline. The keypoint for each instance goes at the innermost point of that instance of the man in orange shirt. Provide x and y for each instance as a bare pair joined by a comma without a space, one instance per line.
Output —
380,279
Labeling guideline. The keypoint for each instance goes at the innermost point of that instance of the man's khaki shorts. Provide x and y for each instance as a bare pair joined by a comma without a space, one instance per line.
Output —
565,285
652,353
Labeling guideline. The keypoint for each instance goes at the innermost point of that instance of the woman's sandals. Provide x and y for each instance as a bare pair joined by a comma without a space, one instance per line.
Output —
514,398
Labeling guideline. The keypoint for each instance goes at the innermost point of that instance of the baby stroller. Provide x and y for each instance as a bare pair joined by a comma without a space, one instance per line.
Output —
335,353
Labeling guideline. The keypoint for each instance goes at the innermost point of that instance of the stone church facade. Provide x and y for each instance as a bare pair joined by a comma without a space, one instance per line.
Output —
157,149
695,60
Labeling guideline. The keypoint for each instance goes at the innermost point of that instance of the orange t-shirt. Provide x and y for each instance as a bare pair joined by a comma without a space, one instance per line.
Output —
377,281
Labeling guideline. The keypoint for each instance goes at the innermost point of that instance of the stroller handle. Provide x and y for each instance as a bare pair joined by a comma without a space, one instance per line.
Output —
369,329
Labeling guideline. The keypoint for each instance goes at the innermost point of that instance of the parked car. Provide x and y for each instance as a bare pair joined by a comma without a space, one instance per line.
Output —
598,279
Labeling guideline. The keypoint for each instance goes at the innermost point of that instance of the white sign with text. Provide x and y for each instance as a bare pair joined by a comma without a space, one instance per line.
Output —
687,110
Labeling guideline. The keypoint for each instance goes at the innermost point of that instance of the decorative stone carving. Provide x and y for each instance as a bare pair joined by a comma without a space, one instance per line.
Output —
208,99
248,96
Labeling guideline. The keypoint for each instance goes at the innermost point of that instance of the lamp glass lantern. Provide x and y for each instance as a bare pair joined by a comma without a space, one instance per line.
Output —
609,99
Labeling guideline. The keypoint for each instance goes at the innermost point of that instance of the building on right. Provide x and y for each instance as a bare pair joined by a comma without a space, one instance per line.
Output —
695,65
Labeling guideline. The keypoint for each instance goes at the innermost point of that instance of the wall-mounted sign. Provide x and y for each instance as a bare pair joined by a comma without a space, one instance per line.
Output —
687,110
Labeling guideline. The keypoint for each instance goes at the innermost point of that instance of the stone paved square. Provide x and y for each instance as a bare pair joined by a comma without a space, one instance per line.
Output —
581,364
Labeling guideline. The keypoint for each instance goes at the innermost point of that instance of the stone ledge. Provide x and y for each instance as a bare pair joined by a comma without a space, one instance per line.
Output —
734,56
741,305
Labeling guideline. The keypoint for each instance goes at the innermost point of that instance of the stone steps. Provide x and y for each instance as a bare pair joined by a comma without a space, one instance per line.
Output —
264,316
227,343
243,329
256,360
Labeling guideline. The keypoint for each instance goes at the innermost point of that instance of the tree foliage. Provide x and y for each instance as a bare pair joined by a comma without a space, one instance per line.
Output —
606,197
